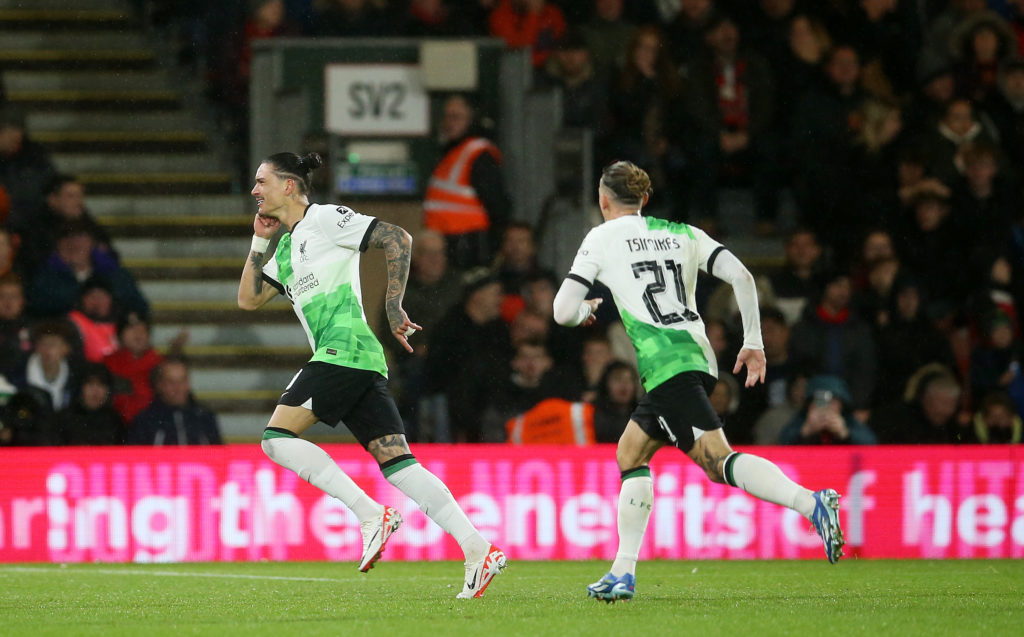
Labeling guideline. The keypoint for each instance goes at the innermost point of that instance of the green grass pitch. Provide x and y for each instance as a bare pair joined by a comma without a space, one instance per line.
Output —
855,597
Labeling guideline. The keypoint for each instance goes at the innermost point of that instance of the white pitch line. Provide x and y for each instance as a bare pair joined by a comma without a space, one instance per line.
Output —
282,578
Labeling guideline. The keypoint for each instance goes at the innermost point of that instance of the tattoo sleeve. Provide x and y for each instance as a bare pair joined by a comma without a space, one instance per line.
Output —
397,245
256,261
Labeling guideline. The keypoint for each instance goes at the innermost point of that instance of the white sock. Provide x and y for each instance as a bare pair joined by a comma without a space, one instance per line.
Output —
764,480
437,502
636,496
317,468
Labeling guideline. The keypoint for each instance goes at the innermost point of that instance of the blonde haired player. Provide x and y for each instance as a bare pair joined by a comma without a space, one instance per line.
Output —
650,266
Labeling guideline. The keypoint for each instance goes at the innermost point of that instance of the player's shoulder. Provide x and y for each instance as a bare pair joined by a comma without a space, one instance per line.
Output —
335,214
672,227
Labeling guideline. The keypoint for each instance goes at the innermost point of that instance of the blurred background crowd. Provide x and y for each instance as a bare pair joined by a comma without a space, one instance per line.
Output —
881,142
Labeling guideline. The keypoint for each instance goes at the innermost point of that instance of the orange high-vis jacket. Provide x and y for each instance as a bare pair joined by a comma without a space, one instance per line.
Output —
553,422
451,205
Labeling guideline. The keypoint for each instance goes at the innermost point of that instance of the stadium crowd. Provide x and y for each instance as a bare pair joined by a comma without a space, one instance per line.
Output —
893,128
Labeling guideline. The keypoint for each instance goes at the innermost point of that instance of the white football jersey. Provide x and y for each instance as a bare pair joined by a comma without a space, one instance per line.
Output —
650,265
316,266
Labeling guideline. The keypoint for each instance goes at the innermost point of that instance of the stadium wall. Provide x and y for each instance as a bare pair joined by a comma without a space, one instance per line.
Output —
230,503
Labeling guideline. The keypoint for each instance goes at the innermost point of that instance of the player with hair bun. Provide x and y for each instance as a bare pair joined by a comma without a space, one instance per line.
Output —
316,266
650,266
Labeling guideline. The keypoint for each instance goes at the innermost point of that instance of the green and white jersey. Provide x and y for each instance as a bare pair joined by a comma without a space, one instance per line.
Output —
316,266
650,265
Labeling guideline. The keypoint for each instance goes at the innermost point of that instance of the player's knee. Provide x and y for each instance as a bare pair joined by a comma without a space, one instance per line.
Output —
714,473
626,458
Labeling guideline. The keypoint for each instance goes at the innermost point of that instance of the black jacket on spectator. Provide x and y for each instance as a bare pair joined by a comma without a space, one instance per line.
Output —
77,425
26,175
844,348
162,424
904,423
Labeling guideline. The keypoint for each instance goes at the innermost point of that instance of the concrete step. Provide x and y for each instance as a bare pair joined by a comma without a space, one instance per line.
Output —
75,163
240,402
86,80
163,183
172,205
26,38
247,356
85,60
38,122
278,311
79,5
97,100
182,141
185,268
208,290
241,379
178,226
148,248
212,334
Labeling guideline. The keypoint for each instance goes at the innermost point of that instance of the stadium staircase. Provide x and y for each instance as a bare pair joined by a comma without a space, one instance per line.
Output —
132,127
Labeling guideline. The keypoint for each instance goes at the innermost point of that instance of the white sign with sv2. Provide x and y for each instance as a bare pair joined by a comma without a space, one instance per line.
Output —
375,100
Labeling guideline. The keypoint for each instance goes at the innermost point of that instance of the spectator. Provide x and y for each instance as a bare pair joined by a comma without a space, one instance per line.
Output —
608,36
835,340
1006,109
927,415
352,18
466,200
15,336
65,202
617,397
876,247
91,418
95,319
516,261
907,342
174,417
8,251
532,24
885,33
799,283
944,144
27,419
874,302
979,44
796,71
571,71
876,155
56,285
538,292
936,88
49,366
643,127
770,424
824,127
984,202
725,397
996,361
469,344
25,168
930,246
997,421
133,362
730,102
530,378
685,33
754,401
827,417
595,357
435,19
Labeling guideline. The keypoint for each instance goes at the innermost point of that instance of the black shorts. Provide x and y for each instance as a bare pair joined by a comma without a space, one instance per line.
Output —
671,411
357,397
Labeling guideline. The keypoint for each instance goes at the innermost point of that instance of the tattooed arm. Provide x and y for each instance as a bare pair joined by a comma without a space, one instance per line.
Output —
252,293
397,246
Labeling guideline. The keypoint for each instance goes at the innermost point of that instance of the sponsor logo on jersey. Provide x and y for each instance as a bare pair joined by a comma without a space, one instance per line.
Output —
347,214
303,285
303,257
